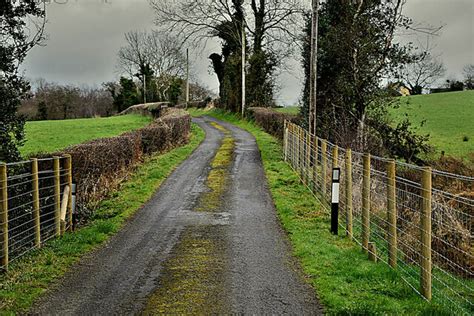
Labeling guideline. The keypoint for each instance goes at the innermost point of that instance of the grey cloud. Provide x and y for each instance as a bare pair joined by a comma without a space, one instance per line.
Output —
85,36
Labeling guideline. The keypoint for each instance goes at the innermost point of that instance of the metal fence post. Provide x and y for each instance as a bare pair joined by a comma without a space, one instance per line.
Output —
426,233
366,203
4,214
392,214
57,195
349,193
36,201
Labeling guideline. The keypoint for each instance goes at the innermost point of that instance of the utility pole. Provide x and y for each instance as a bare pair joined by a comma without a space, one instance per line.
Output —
144,88
243,68
313,69
187,77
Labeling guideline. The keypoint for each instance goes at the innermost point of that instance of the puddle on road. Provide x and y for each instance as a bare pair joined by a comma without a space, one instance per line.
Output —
218,179
192,280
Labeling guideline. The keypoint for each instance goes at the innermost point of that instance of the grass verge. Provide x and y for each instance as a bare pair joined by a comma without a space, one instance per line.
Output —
50,136
31,275
346,282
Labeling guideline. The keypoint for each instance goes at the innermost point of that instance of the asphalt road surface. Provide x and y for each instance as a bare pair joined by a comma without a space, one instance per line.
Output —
208,242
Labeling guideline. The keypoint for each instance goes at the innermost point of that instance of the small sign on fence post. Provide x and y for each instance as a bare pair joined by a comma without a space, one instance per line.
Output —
336,174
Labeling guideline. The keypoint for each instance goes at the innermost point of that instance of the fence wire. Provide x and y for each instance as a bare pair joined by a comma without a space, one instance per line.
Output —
30,205
398,239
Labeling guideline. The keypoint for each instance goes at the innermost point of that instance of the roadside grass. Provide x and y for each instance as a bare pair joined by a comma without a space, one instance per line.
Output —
50,136
448,118
345,281
33,274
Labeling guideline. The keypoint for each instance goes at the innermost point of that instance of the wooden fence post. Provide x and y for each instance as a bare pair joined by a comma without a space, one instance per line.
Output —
349,193
301,155
315,164
366,203
426,233
69,183
372,252
309,148
298,147
4,214
293,145
57,195
392,214
285,140
36,201
335,156
324,164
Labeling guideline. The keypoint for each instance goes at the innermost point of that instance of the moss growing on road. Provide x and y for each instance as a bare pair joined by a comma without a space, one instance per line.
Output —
30,276
218,178
193,279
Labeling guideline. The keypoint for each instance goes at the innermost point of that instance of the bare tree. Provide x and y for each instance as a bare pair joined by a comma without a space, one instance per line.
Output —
273,23
422,72
468,72
161,52
155,58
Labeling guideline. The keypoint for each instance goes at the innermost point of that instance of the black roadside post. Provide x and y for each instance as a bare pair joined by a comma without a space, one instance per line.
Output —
336,174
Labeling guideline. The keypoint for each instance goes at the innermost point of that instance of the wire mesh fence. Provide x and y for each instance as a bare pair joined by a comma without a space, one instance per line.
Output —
417,220
35,204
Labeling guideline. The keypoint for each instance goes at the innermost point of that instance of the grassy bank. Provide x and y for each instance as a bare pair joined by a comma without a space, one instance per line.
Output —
31,275
447,118
346,282
50,136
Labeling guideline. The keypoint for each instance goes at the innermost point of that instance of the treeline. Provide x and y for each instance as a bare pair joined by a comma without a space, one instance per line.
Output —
128,92
53,101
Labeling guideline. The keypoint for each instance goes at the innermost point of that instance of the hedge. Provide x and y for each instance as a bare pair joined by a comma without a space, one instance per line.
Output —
271,121
99,166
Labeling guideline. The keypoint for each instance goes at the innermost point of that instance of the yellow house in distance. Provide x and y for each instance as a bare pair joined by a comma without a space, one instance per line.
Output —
404,91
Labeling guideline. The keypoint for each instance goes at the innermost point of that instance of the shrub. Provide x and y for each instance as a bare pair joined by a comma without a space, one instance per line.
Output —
272,121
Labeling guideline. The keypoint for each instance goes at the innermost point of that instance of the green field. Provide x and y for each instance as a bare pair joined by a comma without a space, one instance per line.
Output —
448,119
50,136
289,110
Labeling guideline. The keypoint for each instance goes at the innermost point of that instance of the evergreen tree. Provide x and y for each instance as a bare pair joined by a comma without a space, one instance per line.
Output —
17,37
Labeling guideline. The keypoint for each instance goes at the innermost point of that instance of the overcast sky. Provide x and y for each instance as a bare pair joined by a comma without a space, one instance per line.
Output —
85,36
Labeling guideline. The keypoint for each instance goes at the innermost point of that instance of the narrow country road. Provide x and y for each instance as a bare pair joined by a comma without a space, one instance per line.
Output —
208,242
